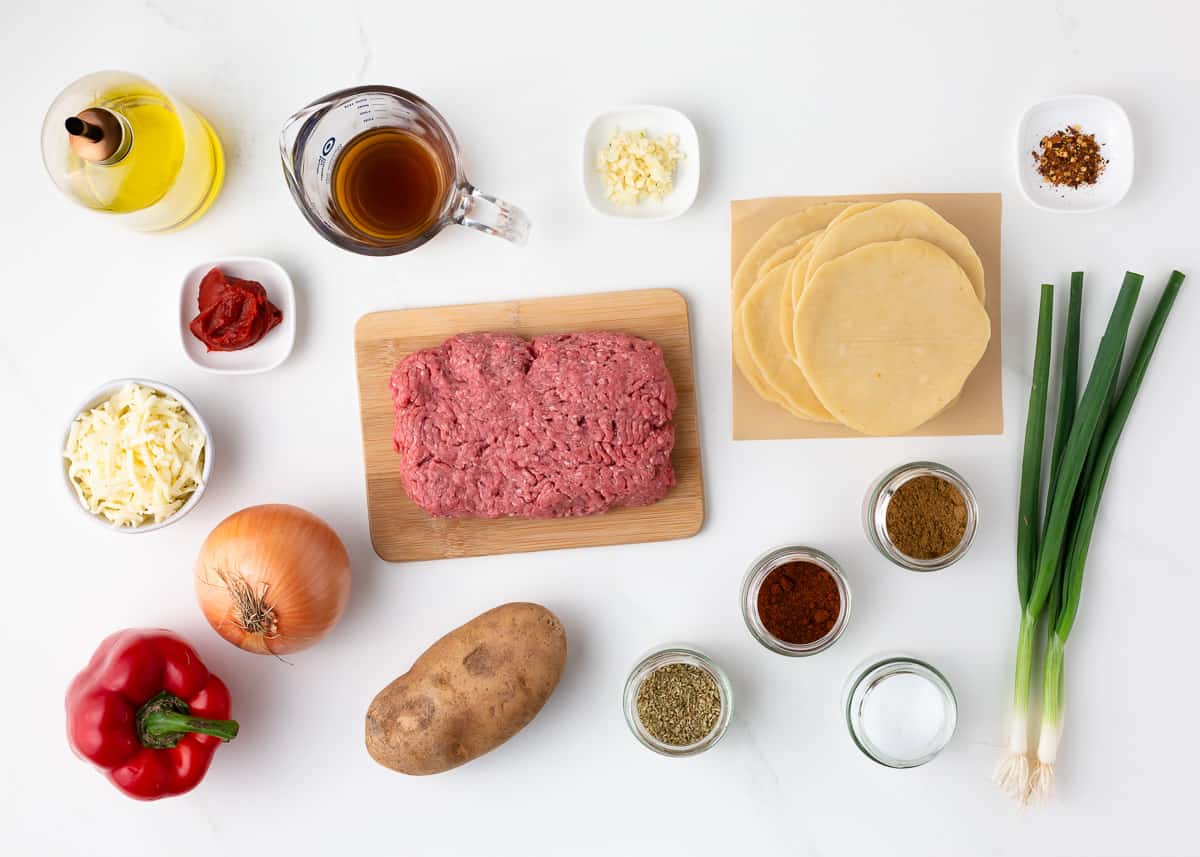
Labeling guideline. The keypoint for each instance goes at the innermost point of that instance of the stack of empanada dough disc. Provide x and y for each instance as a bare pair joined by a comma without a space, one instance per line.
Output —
865,313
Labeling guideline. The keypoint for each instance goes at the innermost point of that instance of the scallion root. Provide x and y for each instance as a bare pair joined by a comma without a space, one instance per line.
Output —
1041,783
1012,775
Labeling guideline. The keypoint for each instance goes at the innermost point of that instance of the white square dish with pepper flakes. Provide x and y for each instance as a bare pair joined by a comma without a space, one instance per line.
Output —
1090,114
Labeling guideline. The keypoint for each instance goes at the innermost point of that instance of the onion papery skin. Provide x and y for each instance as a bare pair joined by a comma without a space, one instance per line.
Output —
290,563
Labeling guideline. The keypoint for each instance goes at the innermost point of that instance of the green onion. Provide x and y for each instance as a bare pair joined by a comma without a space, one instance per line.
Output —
1083,428
1068,392
1067,402
1068,395
1013,772
1080,540
1061,503
1031,463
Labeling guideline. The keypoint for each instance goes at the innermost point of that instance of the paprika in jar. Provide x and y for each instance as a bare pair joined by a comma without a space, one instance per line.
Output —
795,600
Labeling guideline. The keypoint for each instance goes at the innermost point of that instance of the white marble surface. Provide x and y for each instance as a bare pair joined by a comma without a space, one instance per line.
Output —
788,98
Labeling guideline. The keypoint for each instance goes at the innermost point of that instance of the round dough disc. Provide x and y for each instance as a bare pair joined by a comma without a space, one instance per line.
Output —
887,334
784,233
765,345
787,303
741,354
741,357
785,254
799,273
786,230
745,365
892,221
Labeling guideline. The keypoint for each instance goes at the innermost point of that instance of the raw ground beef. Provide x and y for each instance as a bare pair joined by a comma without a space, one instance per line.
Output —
490,425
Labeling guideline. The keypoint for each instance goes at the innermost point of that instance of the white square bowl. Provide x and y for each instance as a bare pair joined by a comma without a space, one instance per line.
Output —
657,122
269,351
1096,115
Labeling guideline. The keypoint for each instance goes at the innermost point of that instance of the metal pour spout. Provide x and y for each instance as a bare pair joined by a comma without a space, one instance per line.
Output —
99,135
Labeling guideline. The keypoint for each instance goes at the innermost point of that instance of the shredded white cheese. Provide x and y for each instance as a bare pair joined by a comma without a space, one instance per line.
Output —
637,167
136,458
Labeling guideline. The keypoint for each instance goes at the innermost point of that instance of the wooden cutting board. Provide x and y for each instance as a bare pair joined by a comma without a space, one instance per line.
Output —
401,531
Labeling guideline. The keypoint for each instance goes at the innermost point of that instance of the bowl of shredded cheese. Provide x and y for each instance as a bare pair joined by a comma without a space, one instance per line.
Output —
136,456
641,162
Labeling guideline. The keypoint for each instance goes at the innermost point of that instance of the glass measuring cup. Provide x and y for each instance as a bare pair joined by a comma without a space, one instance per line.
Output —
313,138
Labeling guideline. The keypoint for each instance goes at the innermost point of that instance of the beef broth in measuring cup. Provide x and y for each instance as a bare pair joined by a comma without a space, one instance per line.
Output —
388,185
376,170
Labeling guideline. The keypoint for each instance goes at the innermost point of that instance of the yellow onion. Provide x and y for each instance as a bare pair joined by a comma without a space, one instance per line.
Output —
272,579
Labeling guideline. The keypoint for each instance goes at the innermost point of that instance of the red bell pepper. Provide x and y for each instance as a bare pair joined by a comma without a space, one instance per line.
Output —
147,712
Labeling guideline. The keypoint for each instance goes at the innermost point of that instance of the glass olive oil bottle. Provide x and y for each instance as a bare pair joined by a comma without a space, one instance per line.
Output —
116,143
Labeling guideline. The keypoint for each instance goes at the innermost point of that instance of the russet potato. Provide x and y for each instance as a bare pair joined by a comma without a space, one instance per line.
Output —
469,692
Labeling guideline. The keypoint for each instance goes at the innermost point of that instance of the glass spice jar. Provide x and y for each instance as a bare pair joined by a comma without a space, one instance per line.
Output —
757,574
875,511
901,712
662,656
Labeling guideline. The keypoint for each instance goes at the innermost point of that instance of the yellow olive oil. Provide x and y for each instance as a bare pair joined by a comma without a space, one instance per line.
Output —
169,168
145,174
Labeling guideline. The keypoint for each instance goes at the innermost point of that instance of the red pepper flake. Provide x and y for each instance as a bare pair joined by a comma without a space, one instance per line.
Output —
234,313
1070,158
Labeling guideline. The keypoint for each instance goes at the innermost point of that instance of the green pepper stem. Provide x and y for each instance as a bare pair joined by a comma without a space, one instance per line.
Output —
162,723
165,719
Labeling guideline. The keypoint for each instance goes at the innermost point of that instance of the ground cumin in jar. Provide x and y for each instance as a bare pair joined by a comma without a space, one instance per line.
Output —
926,518
795,600
921,516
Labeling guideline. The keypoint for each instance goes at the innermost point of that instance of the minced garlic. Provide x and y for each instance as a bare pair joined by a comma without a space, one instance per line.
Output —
637,167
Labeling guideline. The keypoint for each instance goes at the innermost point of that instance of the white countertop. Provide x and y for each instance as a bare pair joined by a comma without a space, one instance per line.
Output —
788,98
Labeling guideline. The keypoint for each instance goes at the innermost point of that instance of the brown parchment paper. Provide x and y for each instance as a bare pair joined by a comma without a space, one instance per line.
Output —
979,409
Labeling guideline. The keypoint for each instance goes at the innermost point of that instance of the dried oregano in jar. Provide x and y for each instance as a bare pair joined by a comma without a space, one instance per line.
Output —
679,704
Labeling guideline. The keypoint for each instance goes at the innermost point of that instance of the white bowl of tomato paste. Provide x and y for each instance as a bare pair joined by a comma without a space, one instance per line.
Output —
237,315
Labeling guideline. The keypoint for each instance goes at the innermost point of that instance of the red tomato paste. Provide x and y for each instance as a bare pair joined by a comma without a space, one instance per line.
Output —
234,314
